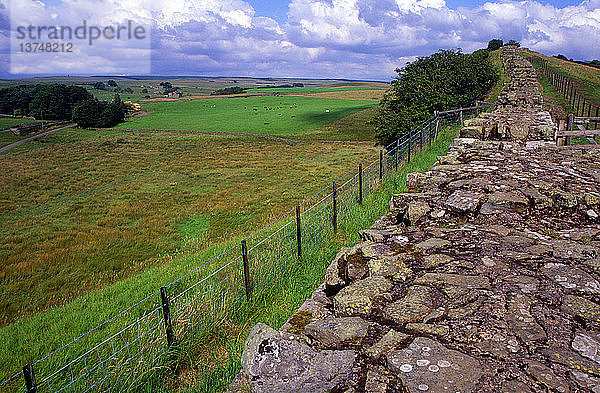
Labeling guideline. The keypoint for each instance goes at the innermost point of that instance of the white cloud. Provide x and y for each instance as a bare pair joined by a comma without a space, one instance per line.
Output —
320,38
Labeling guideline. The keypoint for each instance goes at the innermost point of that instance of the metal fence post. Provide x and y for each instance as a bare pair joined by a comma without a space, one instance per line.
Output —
298,232
461,117
380,164
29,376
397,153
421,130
166,307
247,282
360,184
334,219
409,143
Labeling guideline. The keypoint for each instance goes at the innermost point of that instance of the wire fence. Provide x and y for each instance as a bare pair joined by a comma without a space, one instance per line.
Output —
116,354
570,88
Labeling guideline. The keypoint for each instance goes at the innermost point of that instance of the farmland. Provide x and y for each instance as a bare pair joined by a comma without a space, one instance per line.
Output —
81,209
285,116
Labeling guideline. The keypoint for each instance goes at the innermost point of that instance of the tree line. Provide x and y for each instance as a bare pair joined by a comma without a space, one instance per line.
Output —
57,101
444,80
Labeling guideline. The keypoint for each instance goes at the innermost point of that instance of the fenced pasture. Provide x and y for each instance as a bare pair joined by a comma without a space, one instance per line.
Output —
137,339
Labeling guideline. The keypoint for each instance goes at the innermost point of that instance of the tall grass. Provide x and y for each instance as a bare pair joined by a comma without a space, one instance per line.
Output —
209,362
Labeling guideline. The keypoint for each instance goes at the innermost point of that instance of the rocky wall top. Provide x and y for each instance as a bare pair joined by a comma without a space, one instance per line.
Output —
485,277
519,114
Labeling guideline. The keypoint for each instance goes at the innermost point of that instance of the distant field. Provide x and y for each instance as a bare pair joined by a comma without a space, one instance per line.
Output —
285,116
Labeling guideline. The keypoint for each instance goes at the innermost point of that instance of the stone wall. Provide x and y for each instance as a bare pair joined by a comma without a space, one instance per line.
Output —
484,277
519,115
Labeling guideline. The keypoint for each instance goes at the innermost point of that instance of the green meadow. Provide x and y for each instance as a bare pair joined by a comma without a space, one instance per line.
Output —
282,116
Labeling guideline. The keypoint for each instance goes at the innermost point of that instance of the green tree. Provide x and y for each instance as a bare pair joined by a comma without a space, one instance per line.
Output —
495,44
99,86
87,113
444,80
111,83
513,42
55,101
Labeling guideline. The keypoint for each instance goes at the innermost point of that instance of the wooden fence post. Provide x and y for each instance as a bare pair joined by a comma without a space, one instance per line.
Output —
298,232
360,184
166,308
570,123
247,282
560,140
29,376
334,219
597,115
461,117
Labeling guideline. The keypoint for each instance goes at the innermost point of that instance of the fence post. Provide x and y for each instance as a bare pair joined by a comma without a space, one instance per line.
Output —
570,124
247,283
409,143
422,131
29,376
597,115
334,219
437,123
577,107
461,117
397,153
560,140
360,184
298,232
166,307
380,165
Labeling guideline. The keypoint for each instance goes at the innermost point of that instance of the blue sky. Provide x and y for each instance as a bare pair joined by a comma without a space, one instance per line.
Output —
354,39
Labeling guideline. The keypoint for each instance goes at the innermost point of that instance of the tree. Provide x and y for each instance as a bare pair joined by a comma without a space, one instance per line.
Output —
166,85
87,113
445,80
99,86
55,101
111,83
513,42
495,44
94,113
562,57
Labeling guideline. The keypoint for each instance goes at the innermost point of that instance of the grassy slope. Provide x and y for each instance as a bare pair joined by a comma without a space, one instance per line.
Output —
210,363
113,204
496,61
587,78
286,116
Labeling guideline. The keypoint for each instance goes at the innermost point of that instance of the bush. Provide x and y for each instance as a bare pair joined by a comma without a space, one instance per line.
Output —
445,80
495,44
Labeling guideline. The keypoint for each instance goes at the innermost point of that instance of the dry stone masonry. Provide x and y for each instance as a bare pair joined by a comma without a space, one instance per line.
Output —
519,114
483,277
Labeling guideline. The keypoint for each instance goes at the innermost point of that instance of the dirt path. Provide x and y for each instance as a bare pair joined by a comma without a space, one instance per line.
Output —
2,149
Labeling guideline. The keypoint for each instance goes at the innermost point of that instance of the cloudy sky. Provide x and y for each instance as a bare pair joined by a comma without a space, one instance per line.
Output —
354,39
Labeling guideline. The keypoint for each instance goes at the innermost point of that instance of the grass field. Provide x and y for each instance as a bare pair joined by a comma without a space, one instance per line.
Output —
112,203
285,116
208,363
587,79
91,220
